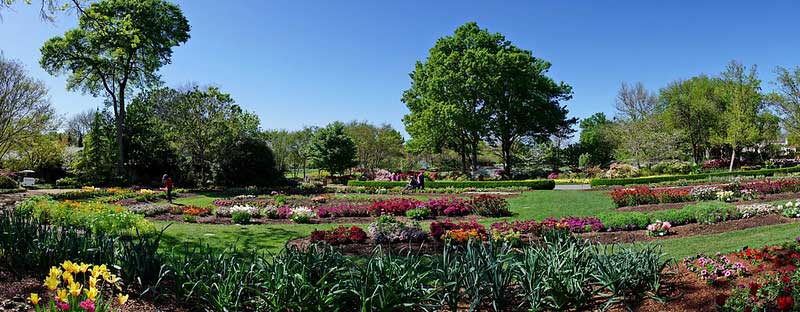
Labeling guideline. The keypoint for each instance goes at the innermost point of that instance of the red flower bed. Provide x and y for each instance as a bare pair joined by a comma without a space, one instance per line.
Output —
439,229
642,195
340,235
394,206
449,206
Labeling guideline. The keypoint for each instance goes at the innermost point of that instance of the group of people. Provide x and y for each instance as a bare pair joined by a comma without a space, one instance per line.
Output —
417,181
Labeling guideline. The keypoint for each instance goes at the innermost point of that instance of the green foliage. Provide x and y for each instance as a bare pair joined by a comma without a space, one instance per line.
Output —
8,183
693,107
713,212
94,165
332,149
741,91
630,274
150,153
377,146
94,217
119,46
682,216
596,140
477,86
647,180
530,184
241,217
418,213
250,162
624,220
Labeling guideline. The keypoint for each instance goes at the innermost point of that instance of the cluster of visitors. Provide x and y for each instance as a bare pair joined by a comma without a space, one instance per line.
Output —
417,181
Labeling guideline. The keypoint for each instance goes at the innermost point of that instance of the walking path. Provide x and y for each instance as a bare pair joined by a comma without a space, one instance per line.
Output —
573,187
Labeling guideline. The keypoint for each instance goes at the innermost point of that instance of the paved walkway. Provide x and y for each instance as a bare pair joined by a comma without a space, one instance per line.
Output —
572,187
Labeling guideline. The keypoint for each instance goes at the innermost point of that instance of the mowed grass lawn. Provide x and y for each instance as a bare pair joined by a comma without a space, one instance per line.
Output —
536,205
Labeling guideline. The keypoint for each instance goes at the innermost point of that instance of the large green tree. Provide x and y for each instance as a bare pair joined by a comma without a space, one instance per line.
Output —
119,46
741,91
25,110
376,146
693,107
786,99
447,97
595,139
333,150
204,124
476,86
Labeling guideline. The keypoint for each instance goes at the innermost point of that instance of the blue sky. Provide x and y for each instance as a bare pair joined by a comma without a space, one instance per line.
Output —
298,63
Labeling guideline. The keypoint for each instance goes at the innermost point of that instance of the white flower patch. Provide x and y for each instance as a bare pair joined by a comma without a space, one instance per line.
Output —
229,211
749,211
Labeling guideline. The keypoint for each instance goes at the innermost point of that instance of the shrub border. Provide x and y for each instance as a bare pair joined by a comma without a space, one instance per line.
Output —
647,180
531,184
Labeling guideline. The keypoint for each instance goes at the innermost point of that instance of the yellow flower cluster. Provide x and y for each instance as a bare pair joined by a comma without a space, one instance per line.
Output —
70,275
88,188
146,192
511,237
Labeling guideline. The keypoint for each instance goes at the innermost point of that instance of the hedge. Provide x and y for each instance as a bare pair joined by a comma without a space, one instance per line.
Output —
531,184
648,180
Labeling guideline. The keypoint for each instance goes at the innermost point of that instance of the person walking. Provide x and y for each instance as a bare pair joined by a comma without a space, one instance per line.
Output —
168,185
421,180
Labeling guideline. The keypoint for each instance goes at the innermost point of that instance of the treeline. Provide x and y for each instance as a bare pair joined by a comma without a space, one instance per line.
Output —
719,117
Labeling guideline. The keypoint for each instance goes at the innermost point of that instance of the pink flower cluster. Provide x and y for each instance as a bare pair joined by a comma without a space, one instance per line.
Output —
394,206
343,210
711,269
449,206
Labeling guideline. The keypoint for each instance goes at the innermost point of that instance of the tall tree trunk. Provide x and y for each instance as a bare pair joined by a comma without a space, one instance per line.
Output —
733,158
505,146
120,123
463,159
474,155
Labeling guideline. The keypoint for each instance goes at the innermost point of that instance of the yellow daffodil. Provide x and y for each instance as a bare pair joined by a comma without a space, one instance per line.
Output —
122,299
110,278
92,282
75,289
91,293
34,299
67,276
61,295
51,283
84,267
55,272
71,267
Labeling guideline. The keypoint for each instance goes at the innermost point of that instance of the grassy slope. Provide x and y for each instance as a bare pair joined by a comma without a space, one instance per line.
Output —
536,205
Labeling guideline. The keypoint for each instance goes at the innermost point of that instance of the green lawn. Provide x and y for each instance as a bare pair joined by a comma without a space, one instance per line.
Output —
540,205
536,205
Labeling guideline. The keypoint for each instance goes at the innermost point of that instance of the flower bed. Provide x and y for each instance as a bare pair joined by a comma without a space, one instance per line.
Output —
530,184
340,235
642,195
97,217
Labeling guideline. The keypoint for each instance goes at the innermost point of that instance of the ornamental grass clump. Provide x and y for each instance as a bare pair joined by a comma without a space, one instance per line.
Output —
68,294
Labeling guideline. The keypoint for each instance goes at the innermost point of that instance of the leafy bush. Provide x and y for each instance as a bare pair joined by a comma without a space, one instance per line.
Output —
67,182
675,216
418,213
8,183
673,167
241,217
618,170
624,221
530,184
490,206
714,212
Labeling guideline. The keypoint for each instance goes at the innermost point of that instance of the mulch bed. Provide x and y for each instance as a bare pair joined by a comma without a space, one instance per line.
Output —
692,229
763,199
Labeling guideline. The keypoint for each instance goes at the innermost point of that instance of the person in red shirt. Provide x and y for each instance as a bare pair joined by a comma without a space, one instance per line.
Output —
168,185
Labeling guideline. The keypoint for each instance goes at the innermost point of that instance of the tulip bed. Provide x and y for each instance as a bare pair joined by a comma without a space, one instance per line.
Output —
642,195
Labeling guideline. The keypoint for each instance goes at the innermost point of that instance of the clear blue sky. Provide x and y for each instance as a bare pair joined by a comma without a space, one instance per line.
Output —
299,63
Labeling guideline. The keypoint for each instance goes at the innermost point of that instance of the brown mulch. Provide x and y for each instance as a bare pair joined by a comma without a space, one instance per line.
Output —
686,230
763,199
